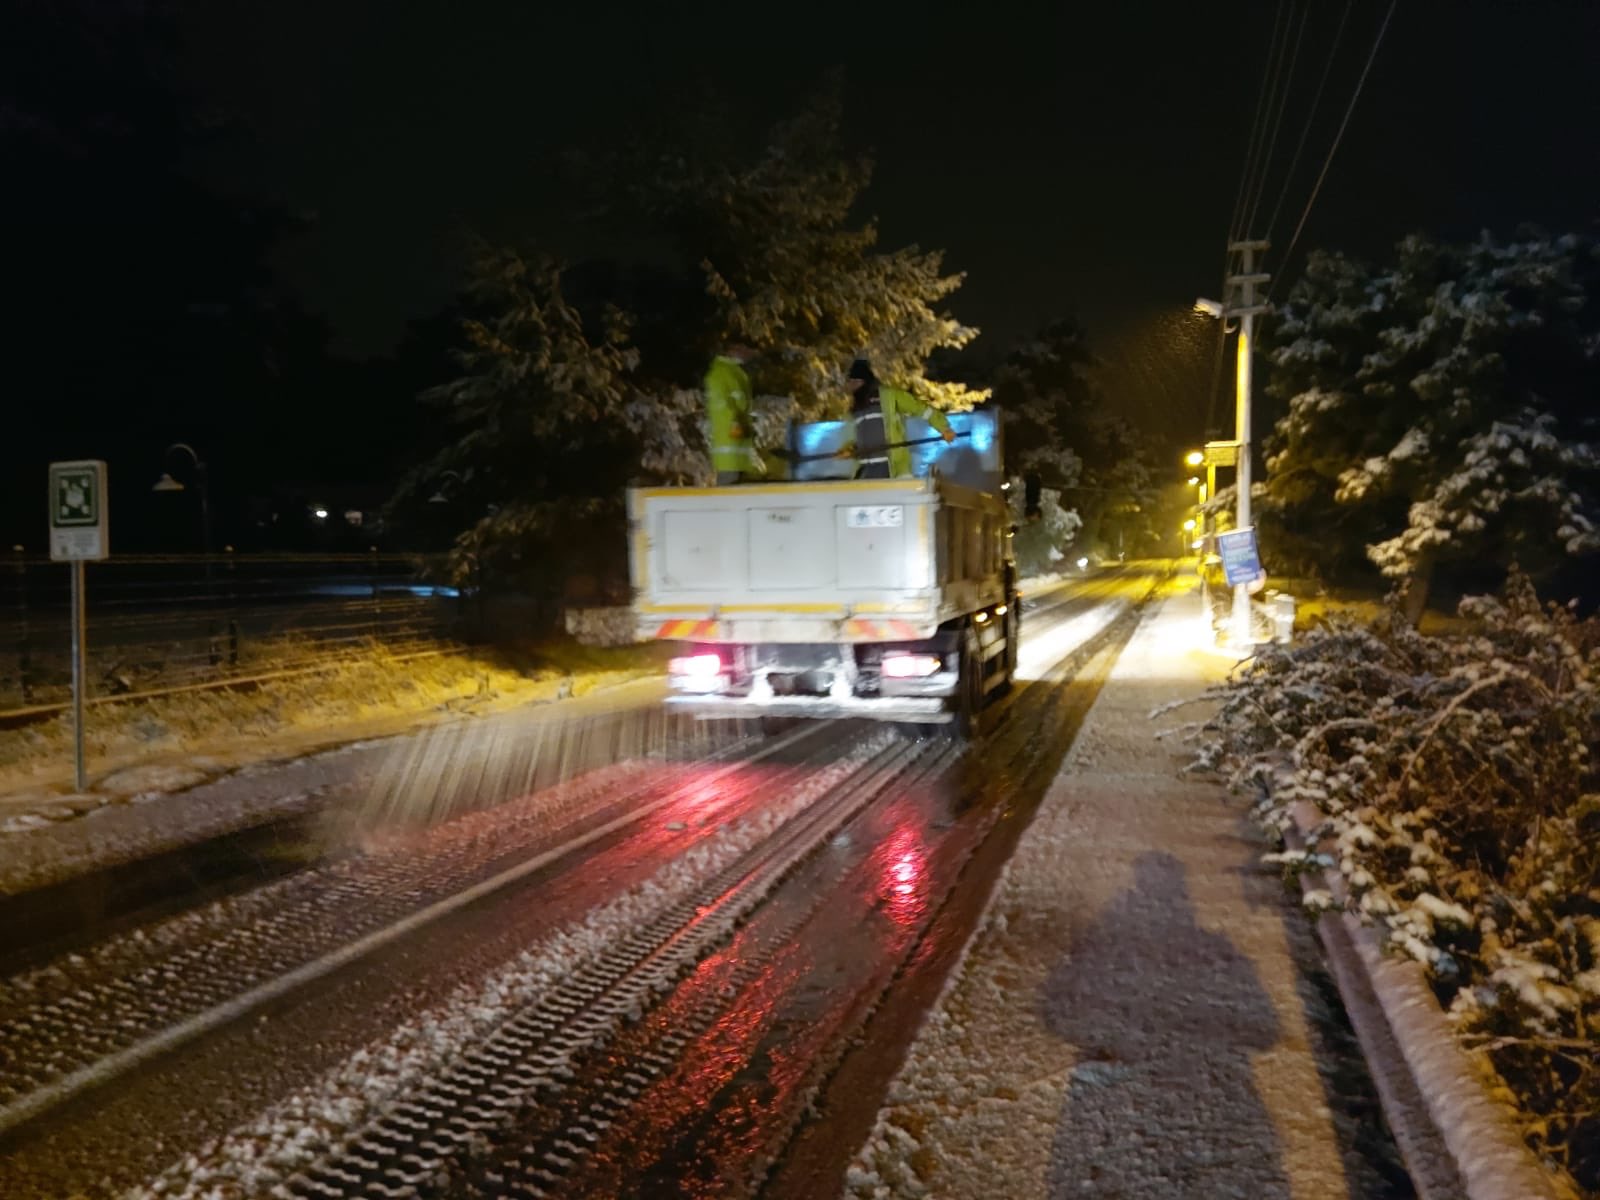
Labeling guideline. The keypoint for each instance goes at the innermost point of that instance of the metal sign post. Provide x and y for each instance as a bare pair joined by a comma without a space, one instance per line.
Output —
78,534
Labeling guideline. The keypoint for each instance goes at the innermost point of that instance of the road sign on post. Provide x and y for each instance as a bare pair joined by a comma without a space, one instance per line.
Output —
78,534
78,527
1240,562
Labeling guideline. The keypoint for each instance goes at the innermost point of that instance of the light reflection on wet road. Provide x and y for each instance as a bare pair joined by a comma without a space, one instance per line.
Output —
790,989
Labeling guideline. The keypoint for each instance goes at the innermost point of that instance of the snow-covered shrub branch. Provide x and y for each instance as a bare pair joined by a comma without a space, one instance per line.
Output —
1455,782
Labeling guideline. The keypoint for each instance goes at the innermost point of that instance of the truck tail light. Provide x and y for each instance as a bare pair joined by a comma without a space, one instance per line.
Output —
696,666
910,666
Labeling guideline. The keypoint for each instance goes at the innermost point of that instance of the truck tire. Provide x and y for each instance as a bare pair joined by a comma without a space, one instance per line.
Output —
966,706
1013,638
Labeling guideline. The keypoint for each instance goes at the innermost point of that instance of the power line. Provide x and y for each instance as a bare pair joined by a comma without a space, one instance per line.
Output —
1277,46
1305,131
1337,138
1277,123
1255,130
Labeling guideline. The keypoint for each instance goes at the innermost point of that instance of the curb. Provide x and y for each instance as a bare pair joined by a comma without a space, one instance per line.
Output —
1456,1140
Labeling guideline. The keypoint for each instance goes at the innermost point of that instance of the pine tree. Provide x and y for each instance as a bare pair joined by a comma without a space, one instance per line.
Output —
790,271
558,408
553,422
1061,426
1441,409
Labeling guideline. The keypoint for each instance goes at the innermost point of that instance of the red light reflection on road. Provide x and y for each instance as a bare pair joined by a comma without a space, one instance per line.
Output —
705,786
904,876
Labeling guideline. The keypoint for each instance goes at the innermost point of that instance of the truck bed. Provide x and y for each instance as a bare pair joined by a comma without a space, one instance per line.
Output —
814,562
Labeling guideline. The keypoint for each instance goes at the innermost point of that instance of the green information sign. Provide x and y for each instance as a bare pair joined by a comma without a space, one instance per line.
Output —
78,511
77,497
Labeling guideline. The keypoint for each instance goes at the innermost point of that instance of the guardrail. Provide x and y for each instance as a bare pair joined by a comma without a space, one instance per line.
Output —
157,622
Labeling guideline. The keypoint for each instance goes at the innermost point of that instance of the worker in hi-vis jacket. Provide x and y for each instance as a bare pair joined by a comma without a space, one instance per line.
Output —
728,400
879,414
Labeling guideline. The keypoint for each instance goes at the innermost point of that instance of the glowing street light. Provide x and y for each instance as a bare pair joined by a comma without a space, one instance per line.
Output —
1194,458
1188,526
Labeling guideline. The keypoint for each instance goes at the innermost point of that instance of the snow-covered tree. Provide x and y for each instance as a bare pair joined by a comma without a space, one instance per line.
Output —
1440,409
553,420
576,383
1047,402
792,272
1061,427
1040,545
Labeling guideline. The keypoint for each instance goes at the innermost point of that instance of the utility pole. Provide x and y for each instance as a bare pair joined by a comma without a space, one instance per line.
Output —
1246,309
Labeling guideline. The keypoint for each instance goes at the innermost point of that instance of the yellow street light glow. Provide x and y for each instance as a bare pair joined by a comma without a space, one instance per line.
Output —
1194,481
1189,525
1194,458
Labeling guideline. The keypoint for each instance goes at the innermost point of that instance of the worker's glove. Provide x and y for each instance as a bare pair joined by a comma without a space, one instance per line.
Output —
845,452
736,432
949,435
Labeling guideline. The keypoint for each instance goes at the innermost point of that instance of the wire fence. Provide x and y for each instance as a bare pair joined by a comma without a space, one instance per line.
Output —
156,623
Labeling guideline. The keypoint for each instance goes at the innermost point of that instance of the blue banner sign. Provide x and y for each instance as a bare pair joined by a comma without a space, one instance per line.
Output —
1240,561
972,460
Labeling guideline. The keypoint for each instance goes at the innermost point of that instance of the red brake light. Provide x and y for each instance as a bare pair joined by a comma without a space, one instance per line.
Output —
696,666
910,666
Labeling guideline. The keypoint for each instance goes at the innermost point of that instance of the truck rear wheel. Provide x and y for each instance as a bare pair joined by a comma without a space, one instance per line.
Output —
1013,638
966,706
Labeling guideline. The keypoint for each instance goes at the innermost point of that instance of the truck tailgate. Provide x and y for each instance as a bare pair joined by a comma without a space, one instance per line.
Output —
834,561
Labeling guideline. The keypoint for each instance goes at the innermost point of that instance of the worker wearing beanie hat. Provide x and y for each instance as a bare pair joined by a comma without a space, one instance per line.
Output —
880,414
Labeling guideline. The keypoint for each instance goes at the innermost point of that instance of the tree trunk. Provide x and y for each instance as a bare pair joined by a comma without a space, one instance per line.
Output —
1418,584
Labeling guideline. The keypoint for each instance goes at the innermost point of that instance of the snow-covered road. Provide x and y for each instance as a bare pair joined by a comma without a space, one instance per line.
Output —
708,1088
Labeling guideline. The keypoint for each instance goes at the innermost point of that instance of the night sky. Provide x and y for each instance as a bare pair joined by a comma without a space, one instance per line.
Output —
1070,157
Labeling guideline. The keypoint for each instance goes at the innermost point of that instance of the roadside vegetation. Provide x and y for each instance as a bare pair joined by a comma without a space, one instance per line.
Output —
1451,780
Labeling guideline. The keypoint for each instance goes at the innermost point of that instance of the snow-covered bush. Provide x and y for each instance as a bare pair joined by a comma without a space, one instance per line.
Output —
1040,546
1437,411
1455,787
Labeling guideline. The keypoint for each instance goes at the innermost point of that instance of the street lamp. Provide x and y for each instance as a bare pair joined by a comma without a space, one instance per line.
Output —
1194,458
203,481
446,478
168,484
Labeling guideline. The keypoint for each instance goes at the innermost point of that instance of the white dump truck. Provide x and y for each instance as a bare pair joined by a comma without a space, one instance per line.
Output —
820,596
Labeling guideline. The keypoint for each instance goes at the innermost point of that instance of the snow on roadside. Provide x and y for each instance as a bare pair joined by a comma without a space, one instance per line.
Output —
315,1121
177,740
1126,1019
45,847
1042,651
